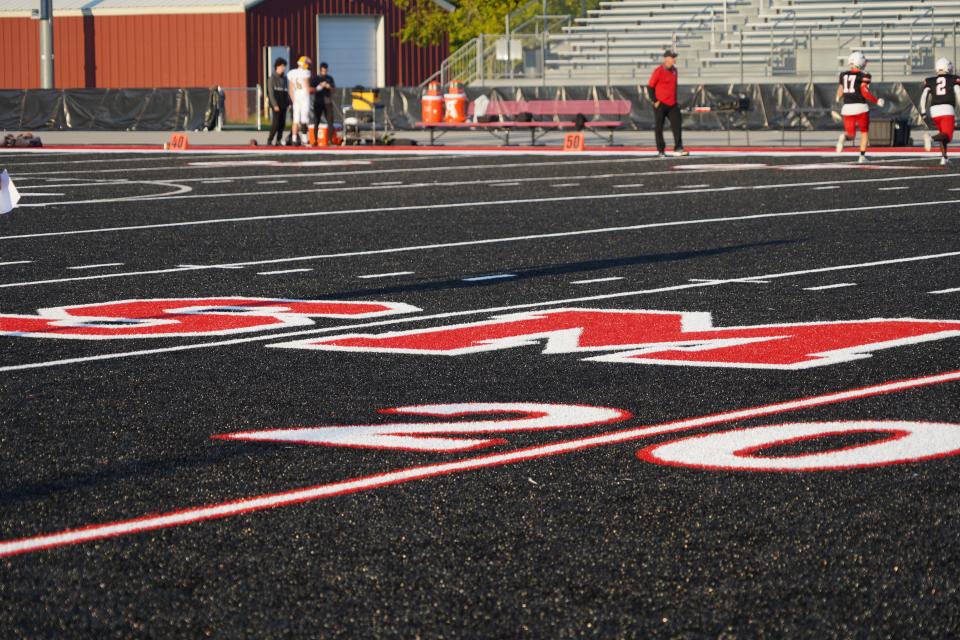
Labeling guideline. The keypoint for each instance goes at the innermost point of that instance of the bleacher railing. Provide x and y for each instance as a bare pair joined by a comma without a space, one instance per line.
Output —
719,41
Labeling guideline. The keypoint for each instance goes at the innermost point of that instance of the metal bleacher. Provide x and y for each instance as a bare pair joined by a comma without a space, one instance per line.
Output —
753,40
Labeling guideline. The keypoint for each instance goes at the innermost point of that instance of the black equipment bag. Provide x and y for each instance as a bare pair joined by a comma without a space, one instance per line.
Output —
890,132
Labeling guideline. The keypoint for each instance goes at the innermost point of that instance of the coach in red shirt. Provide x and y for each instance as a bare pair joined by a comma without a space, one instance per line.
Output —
662,89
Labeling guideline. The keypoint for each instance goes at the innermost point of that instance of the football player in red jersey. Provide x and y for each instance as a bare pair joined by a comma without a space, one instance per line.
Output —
944,92
854,89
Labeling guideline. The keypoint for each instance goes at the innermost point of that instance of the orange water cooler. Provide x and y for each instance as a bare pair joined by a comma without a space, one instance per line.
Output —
455,103
431,104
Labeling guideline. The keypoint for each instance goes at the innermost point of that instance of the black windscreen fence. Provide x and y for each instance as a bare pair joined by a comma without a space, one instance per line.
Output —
767,106
109,109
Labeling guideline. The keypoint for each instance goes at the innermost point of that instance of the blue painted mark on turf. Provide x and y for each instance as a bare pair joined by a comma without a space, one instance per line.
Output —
499,276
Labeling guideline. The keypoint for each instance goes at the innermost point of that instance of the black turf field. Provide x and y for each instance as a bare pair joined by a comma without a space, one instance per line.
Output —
595,542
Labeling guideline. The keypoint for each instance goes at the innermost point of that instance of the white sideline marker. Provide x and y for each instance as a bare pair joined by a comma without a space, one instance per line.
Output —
9,196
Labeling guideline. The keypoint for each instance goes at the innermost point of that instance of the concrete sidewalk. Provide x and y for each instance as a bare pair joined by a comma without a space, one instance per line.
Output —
459,138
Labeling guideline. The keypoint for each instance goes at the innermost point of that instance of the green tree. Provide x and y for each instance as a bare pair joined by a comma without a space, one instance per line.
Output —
428,24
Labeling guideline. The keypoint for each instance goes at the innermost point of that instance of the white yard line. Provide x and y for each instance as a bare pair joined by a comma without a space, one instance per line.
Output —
386,275
276,273
946,291
374,171
6,264
96,266
281,216
825,287
497,276
285,336
466,243
595,280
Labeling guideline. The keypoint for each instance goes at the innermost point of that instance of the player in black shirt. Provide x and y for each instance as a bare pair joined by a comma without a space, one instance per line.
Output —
279,97
323,99
943,90
854,89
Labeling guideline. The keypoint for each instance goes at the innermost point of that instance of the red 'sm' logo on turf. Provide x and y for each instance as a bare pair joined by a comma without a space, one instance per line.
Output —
186,317
656,337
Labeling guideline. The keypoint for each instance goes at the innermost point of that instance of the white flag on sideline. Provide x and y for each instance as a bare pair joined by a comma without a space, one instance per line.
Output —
9,196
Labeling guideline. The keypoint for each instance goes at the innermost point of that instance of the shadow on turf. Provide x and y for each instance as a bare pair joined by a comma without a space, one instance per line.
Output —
554,270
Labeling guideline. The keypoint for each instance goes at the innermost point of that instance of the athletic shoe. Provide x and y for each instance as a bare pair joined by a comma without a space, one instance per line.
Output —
944,162
862,160
661,154
681,152
842,140
927,142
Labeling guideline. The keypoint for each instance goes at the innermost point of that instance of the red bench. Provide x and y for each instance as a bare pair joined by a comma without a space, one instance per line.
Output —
556,115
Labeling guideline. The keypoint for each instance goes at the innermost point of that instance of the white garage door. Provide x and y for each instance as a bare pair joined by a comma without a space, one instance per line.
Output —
349,45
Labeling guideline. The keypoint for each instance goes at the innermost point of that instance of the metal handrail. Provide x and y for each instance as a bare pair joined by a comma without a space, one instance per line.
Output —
773,28
855,14
460,57
537,21
926,12
682,27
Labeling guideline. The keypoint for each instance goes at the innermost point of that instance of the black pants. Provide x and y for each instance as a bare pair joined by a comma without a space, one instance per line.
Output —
278,124
323,108
673,113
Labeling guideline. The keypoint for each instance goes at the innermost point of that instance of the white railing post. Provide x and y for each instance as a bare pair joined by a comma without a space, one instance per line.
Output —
741,54
607,55
713,30
933,37
509,45
479,62
881,51
258,103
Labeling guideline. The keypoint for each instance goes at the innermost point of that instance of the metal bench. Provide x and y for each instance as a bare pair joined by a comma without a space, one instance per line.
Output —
506,113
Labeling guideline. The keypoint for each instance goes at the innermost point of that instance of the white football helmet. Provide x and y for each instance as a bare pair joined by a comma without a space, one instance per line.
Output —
943,66
857,59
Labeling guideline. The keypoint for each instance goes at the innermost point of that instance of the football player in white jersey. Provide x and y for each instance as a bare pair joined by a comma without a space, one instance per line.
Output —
943,90
854,89
299,82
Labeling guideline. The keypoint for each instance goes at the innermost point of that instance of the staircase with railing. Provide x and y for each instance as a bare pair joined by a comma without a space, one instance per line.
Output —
718,41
